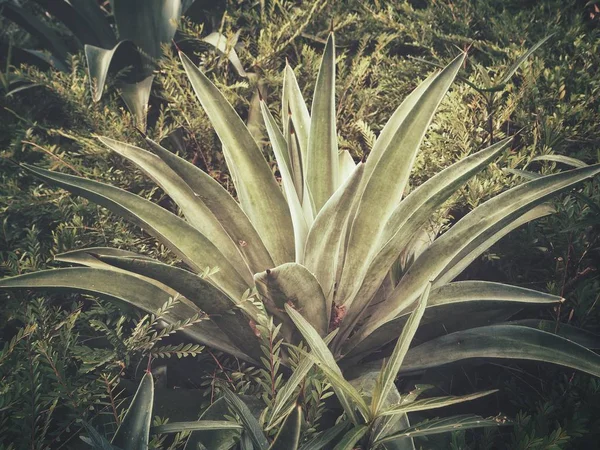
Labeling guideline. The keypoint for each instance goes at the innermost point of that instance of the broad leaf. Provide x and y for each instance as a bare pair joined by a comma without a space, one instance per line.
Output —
251,425
322,164
433,403
192,206
260,196
199,425
179,236
502,341
351,438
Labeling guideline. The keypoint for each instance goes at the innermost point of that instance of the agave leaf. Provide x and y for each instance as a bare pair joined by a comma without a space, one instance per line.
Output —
134,431
475,248
199,425
180,237
323,357
124,288
86,256
390,370
136,95
502,341
580,336
476,227
223,206
296,106
325,237
288,436
386,175
293,283
84,19
287,390
323,439
95,439
444,425
223,311
346,165
251,425
322,164
351,438
433,403
42,32
573,162
192,206
260,196
454,301
406,220
280,149
220,42
297,171
147,23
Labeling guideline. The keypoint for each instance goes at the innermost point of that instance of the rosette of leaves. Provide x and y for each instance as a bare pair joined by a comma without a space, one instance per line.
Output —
338,244
129,38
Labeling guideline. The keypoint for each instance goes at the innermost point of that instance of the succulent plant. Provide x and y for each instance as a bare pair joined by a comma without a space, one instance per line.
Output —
337,248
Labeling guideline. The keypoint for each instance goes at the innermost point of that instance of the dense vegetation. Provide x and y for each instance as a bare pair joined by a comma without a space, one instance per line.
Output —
68,357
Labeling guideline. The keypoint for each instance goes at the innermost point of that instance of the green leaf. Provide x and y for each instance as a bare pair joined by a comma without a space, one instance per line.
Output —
251,425
346,164
87,256
580,336
260,196
225,312
386,174
433,403
390,370
125,289
222,205
192,206
199,425
136,95
293,283
502,341
413,213
42,32
288,436
214,439
323,357
573,162
322,164
447,424
476,228
179,236
222,44
326,238
95,439
279,146
147,23
323,439
351,438
134,431
452,302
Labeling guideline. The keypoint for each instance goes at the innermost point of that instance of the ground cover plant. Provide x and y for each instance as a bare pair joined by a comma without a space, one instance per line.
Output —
540,138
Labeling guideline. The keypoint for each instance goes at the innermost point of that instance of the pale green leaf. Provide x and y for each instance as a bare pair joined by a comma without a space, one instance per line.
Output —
134,431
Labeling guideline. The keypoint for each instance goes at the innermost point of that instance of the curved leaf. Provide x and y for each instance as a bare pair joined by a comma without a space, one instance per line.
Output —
296,107
251,425
199,425
179,236
351,438
475,228
259,194
223,311
434,402
320,441
134,431
222,205
192,206
386,175
126,289
502,341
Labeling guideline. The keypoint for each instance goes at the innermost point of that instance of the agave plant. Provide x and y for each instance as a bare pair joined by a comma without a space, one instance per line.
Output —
141,28
338,246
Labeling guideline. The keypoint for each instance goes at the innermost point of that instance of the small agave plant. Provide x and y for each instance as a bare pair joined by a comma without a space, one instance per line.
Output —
335,253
